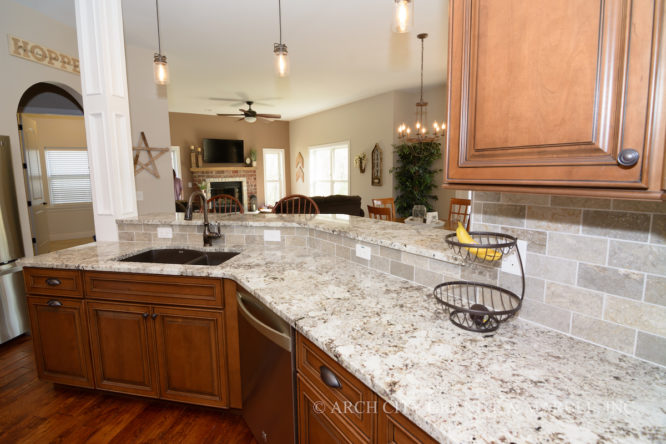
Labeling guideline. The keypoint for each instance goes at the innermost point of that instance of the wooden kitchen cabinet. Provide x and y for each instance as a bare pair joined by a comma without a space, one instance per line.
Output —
394,428
191,355
60,340
549,94
335,407
149,335
317,423
123,348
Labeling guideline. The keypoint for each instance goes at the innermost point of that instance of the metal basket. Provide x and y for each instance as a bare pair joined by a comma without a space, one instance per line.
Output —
476,306
489,243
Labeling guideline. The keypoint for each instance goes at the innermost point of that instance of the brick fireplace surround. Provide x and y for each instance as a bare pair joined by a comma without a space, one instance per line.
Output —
208,174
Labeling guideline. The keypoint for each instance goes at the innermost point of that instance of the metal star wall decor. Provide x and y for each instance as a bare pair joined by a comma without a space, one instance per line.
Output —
149,166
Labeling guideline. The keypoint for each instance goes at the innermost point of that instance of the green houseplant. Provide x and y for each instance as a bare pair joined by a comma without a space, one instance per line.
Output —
414,176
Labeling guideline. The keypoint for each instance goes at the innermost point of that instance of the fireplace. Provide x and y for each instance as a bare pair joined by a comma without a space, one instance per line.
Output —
235,187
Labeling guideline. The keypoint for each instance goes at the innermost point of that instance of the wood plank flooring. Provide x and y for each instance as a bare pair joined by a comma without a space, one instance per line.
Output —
34,411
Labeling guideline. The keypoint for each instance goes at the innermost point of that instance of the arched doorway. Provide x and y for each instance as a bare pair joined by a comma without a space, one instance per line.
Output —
55,160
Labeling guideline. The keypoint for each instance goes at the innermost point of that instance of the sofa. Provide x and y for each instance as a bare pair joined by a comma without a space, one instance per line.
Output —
339,204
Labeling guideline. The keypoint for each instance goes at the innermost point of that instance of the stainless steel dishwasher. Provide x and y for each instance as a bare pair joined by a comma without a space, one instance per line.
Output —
267,371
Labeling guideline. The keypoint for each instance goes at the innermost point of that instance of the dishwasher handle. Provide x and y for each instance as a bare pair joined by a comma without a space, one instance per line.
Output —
278,338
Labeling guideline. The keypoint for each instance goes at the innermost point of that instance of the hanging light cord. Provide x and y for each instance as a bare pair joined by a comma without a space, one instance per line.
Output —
422,69
157,11
280,19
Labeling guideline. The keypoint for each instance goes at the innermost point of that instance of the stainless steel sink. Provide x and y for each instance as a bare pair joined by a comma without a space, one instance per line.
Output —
181,256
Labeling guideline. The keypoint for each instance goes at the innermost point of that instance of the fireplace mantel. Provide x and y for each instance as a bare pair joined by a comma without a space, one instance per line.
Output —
204,169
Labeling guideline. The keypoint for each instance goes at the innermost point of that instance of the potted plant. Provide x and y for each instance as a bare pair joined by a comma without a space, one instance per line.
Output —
253,157
359,161
414,175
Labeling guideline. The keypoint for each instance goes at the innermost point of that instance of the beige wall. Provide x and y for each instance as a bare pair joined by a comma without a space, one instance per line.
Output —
190,129
65,221
363,124
149,113
19,74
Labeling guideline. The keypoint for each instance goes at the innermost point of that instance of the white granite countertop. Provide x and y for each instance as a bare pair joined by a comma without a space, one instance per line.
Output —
523,384
412,239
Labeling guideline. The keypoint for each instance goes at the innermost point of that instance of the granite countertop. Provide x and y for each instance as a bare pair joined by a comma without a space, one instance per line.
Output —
424,241
522,384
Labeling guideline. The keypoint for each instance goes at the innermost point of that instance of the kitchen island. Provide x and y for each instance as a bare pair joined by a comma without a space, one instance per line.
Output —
523,383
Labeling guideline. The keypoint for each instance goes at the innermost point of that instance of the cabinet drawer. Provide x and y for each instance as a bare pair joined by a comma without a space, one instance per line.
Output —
154,288
52,282
319,422
322,372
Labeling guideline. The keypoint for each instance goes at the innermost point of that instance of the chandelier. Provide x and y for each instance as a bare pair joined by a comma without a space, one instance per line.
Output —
421,133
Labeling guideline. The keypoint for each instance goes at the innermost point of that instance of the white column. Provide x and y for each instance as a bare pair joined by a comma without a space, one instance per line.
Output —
99,27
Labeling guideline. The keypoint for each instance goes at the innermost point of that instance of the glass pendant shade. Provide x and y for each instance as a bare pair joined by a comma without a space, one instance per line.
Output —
250,119
281,59
403,15
161,70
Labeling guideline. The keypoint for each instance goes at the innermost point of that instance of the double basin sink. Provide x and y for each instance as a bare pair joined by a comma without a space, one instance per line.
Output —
180,256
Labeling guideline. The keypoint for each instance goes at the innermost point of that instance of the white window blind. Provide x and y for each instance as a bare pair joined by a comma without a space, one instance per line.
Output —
274,188
329,169
68,175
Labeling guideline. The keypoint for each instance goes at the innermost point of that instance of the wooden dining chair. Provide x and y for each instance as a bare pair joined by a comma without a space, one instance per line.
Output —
385,202
224,203
381,213
460,210
296,204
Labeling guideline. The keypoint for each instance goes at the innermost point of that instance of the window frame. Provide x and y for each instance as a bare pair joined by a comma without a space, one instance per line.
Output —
281,168
47,177
312,177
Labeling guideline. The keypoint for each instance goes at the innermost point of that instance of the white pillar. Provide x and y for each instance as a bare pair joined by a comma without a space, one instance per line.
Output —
99,27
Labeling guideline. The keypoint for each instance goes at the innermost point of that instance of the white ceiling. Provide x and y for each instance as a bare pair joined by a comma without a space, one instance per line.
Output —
340,51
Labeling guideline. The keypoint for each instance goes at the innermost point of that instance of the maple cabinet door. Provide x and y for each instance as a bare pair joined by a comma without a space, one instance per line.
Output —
549,92
60,338
123,349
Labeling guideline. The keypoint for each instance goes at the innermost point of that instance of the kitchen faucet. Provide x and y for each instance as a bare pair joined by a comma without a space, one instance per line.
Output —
208,234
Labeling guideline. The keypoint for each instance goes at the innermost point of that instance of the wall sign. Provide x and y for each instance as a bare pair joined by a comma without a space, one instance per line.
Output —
41,54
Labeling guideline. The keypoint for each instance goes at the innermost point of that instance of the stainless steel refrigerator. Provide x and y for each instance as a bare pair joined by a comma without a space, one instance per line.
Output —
13,306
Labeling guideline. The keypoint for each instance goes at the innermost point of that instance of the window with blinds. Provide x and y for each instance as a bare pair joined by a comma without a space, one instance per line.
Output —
68,175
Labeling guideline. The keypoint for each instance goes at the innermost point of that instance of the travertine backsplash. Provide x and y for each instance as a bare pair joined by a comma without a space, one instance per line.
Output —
595,268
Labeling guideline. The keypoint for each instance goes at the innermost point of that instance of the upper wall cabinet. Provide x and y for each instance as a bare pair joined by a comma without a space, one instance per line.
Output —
565,94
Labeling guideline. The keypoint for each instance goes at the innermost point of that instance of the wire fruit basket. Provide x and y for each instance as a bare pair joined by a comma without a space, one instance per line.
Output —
477,306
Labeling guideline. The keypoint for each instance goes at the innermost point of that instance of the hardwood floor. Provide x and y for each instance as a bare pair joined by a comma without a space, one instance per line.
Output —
34,411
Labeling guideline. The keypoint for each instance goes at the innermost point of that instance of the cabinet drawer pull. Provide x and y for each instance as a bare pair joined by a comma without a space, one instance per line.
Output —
154,315
628,157
329,377
145,315
53,282
54,303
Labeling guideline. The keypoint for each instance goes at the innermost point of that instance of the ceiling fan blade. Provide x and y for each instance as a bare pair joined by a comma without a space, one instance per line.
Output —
242,110
230,115
269,116
242,118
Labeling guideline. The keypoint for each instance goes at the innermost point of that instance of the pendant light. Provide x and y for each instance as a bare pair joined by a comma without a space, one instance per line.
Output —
421,131
160,67
280,49
403,15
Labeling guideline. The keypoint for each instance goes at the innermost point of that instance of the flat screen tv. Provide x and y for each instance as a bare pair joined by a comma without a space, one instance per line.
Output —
223,151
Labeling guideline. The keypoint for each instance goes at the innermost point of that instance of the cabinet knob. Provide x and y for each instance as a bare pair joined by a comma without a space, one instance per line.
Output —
628,157
329,377
154,315
53,282
54,303
145,315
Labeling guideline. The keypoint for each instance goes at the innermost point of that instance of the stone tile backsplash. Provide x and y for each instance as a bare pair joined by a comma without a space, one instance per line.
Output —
595,268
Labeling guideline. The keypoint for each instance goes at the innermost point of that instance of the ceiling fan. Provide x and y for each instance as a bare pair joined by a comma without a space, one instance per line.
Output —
250,115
